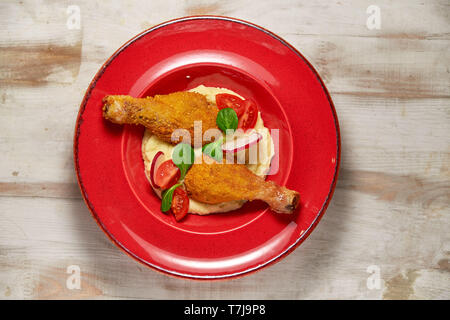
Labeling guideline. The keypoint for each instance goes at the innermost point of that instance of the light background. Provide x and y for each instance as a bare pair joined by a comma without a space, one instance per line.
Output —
391,206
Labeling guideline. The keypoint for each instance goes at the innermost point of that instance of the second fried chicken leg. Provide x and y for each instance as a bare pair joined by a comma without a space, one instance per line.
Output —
214,182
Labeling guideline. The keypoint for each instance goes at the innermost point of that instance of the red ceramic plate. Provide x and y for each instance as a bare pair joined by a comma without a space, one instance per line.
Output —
214,51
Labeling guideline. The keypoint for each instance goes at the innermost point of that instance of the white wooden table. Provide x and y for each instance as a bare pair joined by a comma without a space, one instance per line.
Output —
390,212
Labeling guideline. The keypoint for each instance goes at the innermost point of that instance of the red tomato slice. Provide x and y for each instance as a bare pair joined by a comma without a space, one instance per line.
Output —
248,119
167,174
180,203
225,100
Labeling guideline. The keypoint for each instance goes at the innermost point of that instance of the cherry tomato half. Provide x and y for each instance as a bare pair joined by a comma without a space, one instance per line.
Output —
180,203
248,119
167,174
225,100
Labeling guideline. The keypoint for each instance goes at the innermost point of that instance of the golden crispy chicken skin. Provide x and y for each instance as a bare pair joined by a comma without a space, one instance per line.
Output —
162,114
213,182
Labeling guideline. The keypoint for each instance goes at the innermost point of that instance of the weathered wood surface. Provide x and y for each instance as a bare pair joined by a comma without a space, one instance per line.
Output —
391,206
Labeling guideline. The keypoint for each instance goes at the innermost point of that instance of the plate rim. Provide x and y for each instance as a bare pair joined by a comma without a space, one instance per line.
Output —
303,236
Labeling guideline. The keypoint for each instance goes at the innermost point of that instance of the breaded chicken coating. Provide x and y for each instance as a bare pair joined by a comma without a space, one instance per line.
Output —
213,182
162,114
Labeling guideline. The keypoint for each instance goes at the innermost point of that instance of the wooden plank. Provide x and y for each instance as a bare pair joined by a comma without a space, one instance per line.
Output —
332,263
389,68
45,190
401,136
409,63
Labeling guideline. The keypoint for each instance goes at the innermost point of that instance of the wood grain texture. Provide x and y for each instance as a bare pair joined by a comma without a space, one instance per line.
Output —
391,206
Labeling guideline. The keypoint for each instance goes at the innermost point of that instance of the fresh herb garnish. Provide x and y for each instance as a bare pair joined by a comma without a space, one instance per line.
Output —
183,156
227,119
214,150
167,196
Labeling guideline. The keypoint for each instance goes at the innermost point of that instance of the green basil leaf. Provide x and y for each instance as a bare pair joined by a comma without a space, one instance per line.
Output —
167,196
227,119
183,156
214,150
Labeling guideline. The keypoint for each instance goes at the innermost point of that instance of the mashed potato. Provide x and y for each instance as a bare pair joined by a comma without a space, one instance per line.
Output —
151,145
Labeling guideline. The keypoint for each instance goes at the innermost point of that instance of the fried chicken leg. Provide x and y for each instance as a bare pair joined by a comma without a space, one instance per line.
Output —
215,182
162,114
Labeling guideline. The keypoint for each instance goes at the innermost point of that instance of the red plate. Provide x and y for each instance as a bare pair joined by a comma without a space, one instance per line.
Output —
214,51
